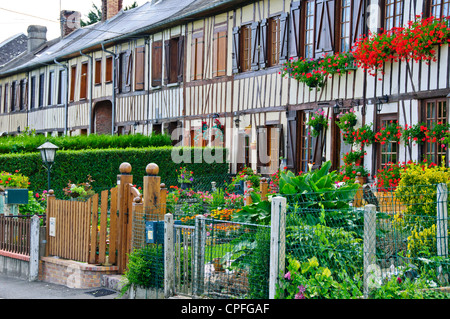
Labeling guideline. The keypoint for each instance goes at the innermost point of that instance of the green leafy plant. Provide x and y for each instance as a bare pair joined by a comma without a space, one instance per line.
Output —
308,280
185,176
80,191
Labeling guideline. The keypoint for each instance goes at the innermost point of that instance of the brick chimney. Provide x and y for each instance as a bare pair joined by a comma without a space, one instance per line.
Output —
70,21
37,36
110,8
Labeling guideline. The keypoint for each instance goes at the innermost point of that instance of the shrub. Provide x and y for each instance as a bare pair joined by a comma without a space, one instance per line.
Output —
16,180
29,143
103,166
145,268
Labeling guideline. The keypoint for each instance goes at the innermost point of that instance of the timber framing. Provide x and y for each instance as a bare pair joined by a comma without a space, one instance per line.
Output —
207,62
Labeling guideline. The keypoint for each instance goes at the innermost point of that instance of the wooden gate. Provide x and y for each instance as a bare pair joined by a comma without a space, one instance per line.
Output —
81,231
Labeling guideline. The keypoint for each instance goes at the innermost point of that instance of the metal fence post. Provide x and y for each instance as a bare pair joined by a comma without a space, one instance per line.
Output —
199,255
34,248
169,258
442,221
277,242
370,219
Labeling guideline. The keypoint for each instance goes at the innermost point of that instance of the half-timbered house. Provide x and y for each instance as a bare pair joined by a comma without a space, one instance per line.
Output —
208,72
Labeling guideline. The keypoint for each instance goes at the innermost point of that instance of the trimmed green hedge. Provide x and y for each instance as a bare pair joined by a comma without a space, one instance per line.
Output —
30,143
103,165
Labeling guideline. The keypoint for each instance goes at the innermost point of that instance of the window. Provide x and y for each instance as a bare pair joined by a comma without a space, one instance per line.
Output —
41,89
124,67
13,96
51,84
83,81
344,30
5,105
73,79
306,141
273,41
388,151
62,86
393,14
219,67
174,54
197,48
439,8
139,77
157,47
33,93
98,71
245,45
23,103
435,111
109,69
308,51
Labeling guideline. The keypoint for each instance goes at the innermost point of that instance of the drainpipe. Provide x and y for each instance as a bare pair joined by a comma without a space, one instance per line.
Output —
113,111
66,99
90,88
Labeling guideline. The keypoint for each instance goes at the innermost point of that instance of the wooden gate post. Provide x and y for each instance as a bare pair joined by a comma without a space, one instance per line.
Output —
264,186
124,181
163,199
152,193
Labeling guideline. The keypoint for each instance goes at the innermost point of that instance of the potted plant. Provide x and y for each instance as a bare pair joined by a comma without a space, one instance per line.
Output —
354,157
363,135
305,71
416,133
185,178
349,172
389,133
317,122
347,120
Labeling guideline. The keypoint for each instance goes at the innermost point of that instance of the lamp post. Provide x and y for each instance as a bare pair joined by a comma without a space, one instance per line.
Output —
48,152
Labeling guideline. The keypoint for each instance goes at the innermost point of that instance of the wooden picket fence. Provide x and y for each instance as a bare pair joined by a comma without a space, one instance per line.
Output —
79,230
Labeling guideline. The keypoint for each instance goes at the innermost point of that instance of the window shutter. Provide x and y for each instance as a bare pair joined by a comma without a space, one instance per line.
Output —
291,145
357,20
117,74
180,59
140,69
255,46
235,54
25,93
263,44
18,91
294,30
324,43
167,66
156,63
129,70
284,37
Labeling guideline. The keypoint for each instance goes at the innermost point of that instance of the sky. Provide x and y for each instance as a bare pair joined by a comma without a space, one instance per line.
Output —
17,15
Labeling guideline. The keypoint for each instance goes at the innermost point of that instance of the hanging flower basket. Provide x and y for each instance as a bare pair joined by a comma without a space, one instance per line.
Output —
318,121
390,133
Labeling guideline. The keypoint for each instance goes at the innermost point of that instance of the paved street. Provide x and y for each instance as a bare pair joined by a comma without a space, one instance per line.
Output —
12,288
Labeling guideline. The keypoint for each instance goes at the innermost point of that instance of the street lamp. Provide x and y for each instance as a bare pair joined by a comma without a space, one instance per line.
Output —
48,152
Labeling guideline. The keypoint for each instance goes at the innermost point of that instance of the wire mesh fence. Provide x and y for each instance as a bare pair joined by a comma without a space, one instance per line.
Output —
364,237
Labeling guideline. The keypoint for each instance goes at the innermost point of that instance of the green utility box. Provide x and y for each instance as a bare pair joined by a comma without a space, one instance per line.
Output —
16,196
